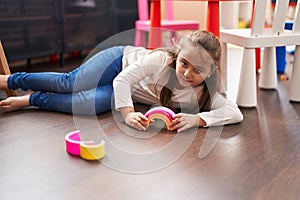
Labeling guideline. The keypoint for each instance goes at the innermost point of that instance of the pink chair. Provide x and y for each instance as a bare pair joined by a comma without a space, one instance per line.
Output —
142,25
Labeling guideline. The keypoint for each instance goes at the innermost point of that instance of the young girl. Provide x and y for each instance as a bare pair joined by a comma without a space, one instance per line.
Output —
182,77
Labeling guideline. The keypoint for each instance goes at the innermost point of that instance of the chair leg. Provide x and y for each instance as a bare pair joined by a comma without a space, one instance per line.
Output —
294,91
268,75
246,96
4,69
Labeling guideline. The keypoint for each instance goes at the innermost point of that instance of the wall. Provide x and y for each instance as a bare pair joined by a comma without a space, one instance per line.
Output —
191,10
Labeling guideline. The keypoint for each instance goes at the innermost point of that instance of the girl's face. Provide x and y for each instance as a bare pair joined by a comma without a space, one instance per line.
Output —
192,70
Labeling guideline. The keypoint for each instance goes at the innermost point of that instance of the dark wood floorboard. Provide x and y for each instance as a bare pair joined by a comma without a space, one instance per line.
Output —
256,159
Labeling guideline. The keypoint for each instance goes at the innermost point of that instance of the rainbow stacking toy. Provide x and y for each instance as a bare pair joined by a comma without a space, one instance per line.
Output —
85,149
162,113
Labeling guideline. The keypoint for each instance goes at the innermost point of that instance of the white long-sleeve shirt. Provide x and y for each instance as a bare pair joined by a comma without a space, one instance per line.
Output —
142,69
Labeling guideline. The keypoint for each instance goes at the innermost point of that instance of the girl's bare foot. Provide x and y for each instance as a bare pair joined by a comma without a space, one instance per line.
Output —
3,82
15,103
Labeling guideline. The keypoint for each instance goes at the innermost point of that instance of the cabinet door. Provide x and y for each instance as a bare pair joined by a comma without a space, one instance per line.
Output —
85,23
28,28
123,15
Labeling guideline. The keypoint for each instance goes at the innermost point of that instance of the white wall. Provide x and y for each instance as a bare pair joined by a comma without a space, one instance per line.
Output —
189,10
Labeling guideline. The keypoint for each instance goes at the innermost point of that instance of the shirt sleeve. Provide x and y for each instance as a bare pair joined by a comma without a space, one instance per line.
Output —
223,112
150,64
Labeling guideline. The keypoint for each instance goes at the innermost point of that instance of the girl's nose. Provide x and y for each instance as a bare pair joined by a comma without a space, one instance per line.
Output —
187,73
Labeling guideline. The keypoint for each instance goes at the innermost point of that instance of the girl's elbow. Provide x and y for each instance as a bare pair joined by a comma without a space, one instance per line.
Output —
239,116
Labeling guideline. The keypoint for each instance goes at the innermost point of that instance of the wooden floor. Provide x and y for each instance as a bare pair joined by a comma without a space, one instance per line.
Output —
256,159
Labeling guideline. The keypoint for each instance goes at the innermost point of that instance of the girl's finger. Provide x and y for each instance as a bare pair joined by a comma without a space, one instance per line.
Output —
176,125
174,122
143,117
140,126
181,129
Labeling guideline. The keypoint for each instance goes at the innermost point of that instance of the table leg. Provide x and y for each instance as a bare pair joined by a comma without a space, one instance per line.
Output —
213,17
155,25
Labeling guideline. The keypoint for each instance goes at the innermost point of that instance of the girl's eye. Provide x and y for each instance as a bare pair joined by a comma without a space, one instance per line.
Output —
184,64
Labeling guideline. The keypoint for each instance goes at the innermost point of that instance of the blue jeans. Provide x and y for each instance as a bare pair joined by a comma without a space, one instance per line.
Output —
87,90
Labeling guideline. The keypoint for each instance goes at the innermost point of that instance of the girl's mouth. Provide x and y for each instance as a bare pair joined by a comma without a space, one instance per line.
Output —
184,81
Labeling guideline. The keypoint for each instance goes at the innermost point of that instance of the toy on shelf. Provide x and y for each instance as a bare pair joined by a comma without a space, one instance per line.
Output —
163,113
88,150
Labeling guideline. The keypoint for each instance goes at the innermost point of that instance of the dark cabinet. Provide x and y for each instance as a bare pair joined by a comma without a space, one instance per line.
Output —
123,14
29,28
32,28
86,23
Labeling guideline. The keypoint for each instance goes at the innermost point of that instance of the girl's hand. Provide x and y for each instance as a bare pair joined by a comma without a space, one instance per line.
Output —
136,120
184,121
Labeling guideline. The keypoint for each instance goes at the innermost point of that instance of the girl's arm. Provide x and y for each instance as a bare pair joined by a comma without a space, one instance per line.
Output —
223,112
134,73
151,64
